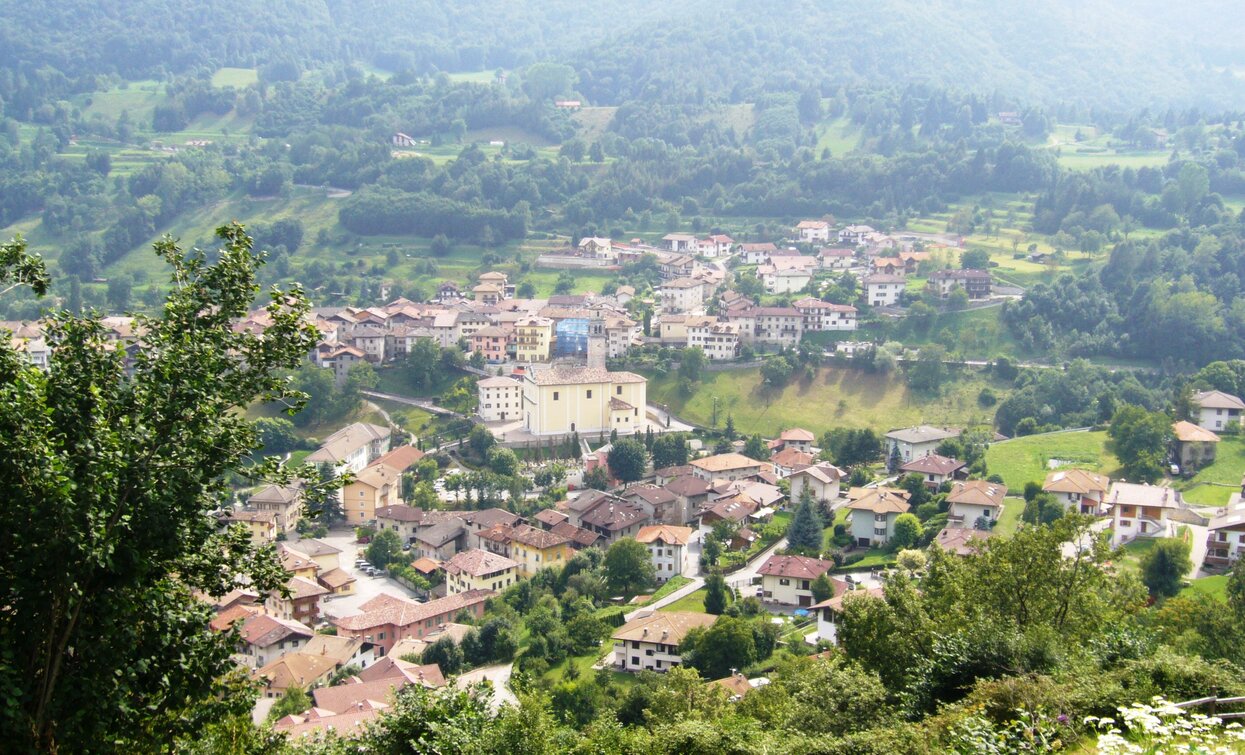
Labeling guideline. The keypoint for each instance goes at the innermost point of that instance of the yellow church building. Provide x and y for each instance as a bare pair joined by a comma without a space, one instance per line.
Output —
563,400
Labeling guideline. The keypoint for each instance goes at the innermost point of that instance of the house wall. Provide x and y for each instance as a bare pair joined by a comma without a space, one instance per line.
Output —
501,403
910,451
532,560
821,491
786,591
866,527
971,512
669,560
496,581
646,656
1218,419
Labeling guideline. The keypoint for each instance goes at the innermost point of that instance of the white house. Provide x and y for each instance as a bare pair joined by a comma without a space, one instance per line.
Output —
788,580
973,501
682,295
916,442
719,340
1225,541
783,280
1145,511
717,245
822,479
836,258
856,234
873,512
651,641
934,469
667,548
822,315
1218,410
881,290
680,242
1078,490
813,231
501,399
351,448
757,254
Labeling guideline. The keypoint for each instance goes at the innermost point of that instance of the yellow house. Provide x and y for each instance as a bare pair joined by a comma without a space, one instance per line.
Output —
479,570
533,339
262,524
374,487
534,549
560,401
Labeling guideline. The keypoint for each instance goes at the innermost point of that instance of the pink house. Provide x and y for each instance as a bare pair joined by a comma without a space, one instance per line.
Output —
493,342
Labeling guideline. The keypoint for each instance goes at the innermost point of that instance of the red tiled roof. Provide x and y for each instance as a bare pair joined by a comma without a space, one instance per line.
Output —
795,567
387,609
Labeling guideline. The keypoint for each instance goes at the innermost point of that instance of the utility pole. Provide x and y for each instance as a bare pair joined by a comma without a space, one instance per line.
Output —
715,412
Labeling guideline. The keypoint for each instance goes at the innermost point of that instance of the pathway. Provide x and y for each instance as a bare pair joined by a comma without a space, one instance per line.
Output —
678,594
743,578
499,676
424,404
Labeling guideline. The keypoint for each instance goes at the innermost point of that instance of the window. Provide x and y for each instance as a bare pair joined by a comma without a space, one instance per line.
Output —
618,389
589,393
784,582
555,395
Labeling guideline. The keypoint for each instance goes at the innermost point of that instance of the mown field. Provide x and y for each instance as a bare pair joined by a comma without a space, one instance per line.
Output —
834,397
1213,485
1021,460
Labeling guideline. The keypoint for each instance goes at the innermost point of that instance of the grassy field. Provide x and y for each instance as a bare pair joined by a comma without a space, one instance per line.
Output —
1021,460
694,602
972,334
837,135
834,397
410,417
1227,471
474,77
1216,587
238,78
1074,160
1009,520
593,122
1134,550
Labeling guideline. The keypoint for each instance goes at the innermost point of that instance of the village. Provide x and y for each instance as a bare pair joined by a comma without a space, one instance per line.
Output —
769,523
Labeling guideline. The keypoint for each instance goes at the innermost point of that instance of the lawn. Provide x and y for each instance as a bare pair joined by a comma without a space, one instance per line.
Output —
671,585
694,602
583,664
1073,160
1021,460
1133,551
396,380
971,334
1009,520
1213,485
833,397
1216,587
838,135
410,417
238,78
872,557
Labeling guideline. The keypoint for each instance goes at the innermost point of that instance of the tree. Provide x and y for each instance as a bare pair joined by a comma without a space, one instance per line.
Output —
975,259
441,246
908,531
480,441
1042,508
929,372
83,444
1140,439
446,653
276,435
692,362
597,479
756,448
726,644
385,548
294,701
627,460
776,371
804,533
120,288
502,461
822,589
1164,566
669,450
717,596
628,568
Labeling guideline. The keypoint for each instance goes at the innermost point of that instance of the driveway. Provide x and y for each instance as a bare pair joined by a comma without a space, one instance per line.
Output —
366,587
745,576
500,677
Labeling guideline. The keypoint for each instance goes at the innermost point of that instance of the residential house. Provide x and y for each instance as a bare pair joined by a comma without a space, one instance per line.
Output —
265,638
314,663
386,619
477,569
1078,490
788,580
873,512
916,442
533,339
1225,540
820,316
736,510
813,231
1146,511
788,460
500,399
682,295
887,266
680,242
300,602
1218,410
830,611
822,480
779,326
651,642
975,503
376,486
691,492
440,541
881,290
660,504
797,438
339,359
717,245
671,329
285,502
728,466
855,235
934,469
757,254
493,342
719,340
597,248
975,283
738,685
667,549
534,549
262,525
962,541
351,448
1193,447
560,401
407,521
836,258
786,275
612,519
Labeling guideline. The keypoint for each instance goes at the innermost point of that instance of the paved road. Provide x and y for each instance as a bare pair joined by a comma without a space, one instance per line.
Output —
421,403
682,592
743,578
499,676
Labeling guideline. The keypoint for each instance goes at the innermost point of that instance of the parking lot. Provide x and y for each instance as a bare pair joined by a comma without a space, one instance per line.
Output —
366,587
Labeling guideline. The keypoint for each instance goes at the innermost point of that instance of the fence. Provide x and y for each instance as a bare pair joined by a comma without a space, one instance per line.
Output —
1212,704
